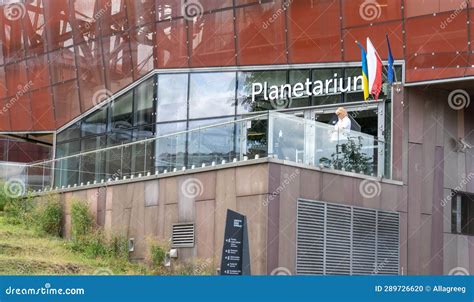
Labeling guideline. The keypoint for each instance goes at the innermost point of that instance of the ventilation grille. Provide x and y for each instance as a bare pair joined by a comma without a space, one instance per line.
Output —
343,240
183,235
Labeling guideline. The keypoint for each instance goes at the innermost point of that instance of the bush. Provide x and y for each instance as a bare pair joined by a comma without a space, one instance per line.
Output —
48,217
96,245
19,211
118,246
81,220
4,199
157,255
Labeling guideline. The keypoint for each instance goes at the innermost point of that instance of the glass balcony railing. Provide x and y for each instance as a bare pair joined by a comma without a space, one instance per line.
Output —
273,135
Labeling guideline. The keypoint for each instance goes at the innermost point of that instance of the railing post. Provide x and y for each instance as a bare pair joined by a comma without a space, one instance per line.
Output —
380,140
270,134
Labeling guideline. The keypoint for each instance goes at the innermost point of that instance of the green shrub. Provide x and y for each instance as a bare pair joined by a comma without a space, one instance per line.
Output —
81,220
4,199
157,254
48,217
19,211
97,245
118,246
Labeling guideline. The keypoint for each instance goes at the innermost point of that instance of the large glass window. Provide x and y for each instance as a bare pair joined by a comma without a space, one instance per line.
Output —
213,144
212,94
299,76
96,123
144,100
93,164
70,133
170,150
121,112
462,213
172,97
246,81
170,103
330,94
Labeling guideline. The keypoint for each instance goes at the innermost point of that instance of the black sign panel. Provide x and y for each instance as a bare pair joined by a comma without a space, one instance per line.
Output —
235,252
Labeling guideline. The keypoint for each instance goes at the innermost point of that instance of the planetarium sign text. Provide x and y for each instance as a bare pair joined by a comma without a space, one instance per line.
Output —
307,88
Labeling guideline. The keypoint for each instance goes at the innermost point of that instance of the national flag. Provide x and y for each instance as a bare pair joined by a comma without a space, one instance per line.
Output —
374,64
391,70
365,72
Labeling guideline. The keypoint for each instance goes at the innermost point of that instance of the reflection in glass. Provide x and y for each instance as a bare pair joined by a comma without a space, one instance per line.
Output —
213,144
170,150
96,123
299,76
72,132
121,112
92,164
212,94
244,89
172,97
144,99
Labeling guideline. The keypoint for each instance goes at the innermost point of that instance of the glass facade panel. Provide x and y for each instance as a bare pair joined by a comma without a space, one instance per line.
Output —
244,90
261,38
172,97
122,112
93,164
213,40
212,94
96,123
309,36
208,145
144,102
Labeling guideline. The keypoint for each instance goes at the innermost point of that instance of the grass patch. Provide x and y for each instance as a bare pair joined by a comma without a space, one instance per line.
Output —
24,251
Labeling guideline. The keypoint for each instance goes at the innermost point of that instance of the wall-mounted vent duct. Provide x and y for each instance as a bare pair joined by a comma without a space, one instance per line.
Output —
183,235
343,240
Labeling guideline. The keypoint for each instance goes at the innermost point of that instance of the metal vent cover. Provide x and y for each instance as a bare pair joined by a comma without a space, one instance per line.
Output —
337,239
183,235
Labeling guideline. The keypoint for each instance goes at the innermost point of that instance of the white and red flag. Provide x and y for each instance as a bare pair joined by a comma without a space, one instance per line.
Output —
374,65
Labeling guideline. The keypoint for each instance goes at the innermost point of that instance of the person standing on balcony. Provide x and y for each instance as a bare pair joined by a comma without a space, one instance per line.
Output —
342,126
344,122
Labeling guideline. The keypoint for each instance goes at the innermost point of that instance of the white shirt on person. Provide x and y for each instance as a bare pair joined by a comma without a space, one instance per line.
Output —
342,128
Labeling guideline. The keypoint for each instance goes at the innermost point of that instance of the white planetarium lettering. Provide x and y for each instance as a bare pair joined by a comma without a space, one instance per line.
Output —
329,86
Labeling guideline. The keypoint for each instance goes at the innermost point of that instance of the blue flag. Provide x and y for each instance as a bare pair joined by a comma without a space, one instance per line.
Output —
391,70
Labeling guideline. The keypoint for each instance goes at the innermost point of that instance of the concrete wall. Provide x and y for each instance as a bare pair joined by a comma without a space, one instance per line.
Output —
148,209
434,167
266,193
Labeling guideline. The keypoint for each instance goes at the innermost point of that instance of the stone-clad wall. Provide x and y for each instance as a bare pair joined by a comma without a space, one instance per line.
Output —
266,193
149,209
